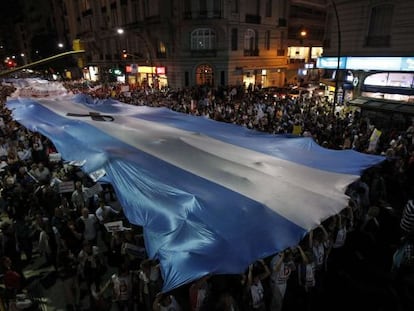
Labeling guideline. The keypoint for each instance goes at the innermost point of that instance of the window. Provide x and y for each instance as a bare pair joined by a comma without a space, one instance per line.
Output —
152,8
135,11
393,79
250,43
124,14
114,17
235,6
234,39
161,47
203,39
86,5
186,78
269,8
217,8
162,50
203,7
249,38
380,25
267,40
187,6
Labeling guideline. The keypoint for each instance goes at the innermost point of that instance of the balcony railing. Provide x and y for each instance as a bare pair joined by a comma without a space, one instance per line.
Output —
253,19
203,14
161,54
251,52
204,53
155,19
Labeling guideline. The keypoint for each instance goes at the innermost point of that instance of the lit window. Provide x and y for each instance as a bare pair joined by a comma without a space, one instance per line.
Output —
161,47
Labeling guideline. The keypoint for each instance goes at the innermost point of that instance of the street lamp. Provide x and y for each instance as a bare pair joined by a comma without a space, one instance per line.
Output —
338,29
23,56
149,59
121,31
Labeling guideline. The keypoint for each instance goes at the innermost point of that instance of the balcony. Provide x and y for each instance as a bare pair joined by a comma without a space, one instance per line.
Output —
253,19
155,19
251,52
161,54
204,53
203,14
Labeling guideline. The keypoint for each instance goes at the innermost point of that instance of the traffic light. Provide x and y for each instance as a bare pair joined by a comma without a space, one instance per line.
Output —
78,45
124,54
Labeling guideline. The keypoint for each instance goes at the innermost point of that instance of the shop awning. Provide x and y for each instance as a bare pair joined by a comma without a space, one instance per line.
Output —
365,103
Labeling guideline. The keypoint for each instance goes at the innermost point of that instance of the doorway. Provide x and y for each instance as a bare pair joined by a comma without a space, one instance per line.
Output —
204,75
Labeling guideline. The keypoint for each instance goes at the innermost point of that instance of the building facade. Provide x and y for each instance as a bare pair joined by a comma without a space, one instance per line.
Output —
182,43
376,56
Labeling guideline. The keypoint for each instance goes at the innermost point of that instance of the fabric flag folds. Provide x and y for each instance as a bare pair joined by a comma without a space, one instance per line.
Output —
212,197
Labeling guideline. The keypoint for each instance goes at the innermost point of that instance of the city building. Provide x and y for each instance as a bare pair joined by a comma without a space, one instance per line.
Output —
32,31
178,43
194,42
373,44
305,35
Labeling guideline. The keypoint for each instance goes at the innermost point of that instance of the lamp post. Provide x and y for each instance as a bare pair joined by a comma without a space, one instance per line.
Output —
148,60
23,56
338,29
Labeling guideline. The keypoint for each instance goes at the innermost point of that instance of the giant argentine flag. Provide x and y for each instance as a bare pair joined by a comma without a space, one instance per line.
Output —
212,197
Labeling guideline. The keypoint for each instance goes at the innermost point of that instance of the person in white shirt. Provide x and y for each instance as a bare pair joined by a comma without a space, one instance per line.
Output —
255,286
281,271
4,148
90,222
105,212
79,196
122,288
23,153
42,173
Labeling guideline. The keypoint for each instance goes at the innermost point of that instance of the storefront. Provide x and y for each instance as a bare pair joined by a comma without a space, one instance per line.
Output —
142,76
258,78
387,97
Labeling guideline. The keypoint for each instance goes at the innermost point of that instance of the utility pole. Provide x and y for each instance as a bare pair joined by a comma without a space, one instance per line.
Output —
338,28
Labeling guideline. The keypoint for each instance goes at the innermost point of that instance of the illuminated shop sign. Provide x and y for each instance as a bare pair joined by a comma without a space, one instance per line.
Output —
368,63
373,63
407,63
331,62
160,70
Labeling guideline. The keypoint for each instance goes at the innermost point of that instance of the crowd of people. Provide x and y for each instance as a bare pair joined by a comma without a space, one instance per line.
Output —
67,226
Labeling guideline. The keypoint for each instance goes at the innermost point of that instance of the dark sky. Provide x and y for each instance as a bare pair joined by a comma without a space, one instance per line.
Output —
9,8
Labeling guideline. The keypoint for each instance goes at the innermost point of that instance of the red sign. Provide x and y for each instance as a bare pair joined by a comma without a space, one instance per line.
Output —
160,70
